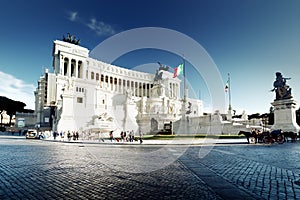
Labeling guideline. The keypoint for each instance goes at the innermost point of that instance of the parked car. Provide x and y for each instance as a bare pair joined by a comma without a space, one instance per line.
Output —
33,134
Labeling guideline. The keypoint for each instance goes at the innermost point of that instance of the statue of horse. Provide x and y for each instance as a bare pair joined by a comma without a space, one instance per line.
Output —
249,135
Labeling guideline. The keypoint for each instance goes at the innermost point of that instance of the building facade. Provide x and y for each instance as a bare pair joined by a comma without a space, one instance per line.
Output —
83,94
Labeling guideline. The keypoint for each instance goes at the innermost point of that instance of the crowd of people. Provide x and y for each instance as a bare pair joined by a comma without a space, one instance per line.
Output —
125,136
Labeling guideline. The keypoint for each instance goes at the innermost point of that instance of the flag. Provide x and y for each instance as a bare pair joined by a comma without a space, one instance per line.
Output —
227,86
178,70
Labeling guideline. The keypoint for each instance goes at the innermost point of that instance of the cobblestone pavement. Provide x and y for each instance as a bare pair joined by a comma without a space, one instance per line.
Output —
34,169
263,171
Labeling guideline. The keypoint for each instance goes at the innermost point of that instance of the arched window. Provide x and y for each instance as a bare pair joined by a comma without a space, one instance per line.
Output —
128,84
73,65
97,77
66,63
92,75
135,88
79,75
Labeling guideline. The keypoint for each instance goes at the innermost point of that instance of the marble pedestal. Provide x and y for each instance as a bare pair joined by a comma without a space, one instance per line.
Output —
285,115
67,122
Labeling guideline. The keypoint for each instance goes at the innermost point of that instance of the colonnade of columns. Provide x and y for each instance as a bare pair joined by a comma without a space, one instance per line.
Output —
174,90
74,68
120,85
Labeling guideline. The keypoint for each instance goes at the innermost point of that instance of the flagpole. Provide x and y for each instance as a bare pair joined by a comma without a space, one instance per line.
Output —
229,93
184,92
184,81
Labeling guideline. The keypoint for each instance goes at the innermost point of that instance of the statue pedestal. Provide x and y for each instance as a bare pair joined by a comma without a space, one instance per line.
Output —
67,122
285,115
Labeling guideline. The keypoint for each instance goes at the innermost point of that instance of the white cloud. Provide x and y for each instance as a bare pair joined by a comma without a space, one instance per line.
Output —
17,90
73,16
99,27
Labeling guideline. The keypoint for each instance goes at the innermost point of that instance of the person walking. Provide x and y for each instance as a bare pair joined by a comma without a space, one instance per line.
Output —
111,136
77,135
100,136
141,136
69,136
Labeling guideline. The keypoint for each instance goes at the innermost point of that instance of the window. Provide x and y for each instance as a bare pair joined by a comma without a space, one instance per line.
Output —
92,75
79,100
66,62
73,65
79,69
79,89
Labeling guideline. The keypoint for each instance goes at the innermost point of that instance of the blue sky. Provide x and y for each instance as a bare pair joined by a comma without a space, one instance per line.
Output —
250,39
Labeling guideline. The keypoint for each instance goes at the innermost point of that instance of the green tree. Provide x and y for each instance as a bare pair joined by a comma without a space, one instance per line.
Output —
3,106
11,107
254,116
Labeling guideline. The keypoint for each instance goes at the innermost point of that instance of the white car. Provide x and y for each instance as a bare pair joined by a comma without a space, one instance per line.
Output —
33,134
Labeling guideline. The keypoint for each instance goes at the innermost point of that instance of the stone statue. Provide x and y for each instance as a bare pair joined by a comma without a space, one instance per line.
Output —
158,76
163,67
158,88
244,116
71,39
129,97
103,117
282,90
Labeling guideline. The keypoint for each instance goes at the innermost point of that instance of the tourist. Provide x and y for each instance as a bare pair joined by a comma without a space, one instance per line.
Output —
69,136
131,136
111,136
77,135
125,137
74,136
62,134
141,136
100,136
122,136
54,135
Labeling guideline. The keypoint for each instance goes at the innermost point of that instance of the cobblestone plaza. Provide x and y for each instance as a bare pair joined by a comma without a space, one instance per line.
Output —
35,169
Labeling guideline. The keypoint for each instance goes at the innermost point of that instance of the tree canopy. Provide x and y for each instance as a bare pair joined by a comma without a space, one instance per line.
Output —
11,107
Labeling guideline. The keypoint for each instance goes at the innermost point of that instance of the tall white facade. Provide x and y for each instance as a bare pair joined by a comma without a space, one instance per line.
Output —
87,94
